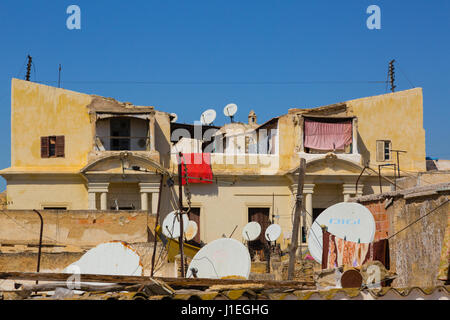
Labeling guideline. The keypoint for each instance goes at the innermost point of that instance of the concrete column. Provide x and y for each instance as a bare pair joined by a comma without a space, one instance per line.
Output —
349,189
104,201
308,190
153,189
306,217
93,189
144,201
155,198
92,204
355,136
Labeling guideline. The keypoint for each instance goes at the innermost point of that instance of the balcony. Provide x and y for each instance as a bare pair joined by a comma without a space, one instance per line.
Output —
323,135
120,143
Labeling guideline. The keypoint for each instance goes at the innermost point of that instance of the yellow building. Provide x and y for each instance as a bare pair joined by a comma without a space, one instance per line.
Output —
77,151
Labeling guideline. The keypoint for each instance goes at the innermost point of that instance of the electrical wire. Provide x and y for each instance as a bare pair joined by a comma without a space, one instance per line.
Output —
122,82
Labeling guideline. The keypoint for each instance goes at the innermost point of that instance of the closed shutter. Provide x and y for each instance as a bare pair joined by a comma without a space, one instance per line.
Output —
380,150
44,147
60,146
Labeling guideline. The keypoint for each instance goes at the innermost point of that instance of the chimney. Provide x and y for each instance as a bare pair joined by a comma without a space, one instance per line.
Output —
252,117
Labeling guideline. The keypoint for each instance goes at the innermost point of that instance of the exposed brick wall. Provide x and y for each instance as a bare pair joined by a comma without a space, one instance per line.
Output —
381,218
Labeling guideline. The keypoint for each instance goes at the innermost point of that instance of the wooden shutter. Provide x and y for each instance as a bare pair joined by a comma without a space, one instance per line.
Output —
380,150
60,146
45,147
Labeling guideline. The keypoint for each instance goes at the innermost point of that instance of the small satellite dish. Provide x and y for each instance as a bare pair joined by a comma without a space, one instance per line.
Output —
174,117
221,258
273,232
171,225
347,220
251,231
230,110
208,117
192,230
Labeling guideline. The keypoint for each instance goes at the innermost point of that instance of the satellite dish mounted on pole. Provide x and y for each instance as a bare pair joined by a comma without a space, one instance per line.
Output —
208,117
230,110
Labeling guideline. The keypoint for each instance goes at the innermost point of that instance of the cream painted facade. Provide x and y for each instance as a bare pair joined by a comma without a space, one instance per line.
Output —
92,176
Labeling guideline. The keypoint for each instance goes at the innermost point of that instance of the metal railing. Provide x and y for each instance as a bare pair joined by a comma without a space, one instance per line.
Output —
117,143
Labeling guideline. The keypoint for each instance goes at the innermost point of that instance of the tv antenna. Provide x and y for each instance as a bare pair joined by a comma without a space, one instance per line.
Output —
208,117
230,110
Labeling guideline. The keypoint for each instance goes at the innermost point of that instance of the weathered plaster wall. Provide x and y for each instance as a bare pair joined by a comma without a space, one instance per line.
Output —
76,228
416,252
38,110
38,191
397,117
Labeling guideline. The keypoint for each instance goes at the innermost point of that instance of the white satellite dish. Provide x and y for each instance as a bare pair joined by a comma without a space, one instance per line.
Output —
174,117
273,232
110,258
346,220
208,117
222,258
251,231
230,110
192,230
171,225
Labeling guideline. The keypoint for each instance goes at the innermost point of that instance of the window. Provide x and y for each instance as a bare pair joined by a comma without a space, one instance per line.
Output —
383,150
55,208
52,146
120,129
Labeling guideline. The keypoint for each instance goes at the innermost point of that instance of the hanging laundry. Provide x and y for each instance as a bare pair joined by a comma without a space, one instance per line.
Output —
337,252
198,166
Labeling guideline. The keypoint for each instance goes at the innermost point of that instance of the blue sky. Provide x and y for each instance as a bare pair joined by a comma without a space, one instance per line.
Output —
188,56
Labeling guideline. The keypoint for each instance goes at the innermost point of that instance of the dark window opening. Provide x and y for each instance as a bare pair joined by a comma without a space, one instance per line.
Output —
260,245
55,208
120,130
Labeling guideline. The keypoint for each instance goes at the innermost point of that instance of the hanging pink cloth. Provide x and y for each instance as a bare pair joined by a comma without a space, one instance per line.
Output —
327,136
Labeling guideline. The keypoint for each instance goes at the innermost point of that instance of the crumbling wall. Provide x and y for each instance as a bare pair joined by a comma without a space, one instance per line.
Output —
415,252
84,228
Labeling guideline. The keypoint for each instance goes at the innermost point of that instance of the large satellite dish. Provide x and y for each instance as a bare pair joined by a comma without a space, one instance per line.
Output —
222,258
346,220
110,258
251,231
174,117
191,230
273,232
171,225
230,110
208,117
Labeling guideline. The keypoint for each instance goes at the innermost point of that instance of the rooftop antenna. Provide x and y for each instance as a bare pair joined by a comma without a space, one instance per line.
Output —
208,117
30,61
392,75
230,110
59,76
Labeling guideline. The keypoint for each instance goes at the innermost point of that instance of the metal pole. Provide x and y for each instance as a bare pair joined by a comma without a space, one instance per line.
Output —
379,177
40,242
180,199
156,224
